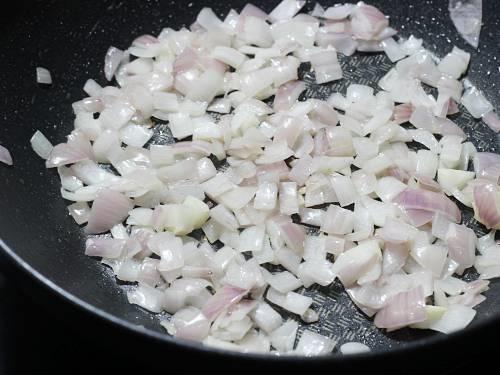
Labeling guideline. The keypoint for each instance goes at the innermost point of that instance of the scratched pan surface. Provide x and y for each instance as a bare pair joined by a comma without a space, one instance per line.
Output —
71,38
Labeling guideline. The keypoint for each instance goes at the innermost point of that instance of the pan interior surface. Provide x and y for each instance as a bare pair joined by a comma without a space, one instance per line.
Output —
71,38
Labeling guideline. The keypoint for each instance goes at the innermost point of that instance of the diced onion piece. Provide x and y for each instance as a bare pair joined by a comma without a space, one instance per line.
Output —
356,262
403,309
466,17
313,344
286,10
461,243
109,208
486,205
5,156
112,61
43,76
354,348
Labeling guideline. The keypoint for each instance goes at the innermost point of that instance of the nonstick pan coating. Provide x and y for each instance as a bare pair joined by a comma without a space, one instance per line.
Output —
70,39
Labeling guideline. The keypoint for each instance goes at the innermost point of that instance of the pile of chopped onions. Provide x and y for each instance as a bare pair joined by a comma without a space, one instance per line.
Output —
388,226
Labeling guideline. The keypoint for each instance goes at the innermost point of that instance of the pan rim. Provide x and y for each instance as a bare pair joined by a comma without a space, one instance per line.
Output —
130,328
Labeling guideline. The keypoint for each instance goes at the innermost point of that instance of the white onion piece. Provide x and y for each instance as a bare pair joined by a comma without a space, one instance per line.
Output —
492,120
314,344
440,226
318,11
43,76
467,16
224,298
288,94
430,257
356,262
104,247
238,197
63,154
326,66
286,10
419,199
283,338
5,156
394,257
283,282
396,232
392,49
367,21
487,166
135,135
311,216
228,56
108,209
337,221
411,45
403,309
338,12
451,179
112,61
80,211
291,301
224,217
189,324
423,118
486,205
454,319
266,317
354,348
209,20
455,63
146,297
92,88
475,102
288,198
343,42
388,188
461,243
274,153
316,271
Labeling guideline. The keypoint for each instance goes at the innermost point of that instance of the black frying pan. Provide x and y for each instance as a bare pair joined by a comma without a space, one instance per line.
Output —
44,247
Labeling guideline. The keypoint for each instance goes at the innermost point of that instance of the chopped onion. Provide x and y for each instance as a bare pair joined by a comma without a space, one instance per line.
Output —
461,243
487,166
419,199
112,61
5,156
486,205
313,344
354,348
109,208
286,10
467,16
367,21
43,76
403,309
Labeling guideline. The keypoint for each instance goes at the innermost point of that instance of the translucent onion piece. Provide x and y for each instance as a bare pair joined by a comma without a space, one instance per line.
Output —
486,205
112,61
402,310
109,208
5,156
43,76
419,199
466,16
224,298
